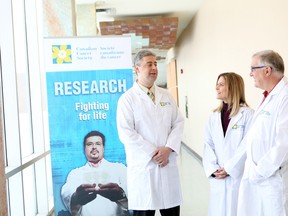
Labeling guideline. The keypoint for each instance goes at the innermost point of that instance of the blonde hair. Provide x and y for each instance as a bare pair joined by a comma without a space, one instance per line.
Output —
236,93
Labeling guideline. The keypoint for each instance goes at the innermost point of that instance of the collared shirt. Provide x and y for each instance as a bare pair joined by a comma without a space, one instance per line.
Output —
146,90
265,94
225,117
150,92
93,164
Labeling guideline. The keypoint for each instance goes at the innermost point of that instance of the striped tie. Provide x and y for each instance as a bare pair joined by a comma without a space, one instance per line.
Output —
151,95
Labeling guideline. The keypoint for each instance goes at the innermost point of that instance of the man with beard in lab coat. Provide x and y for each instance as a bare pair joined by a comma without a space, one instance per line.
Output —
263,188
150,126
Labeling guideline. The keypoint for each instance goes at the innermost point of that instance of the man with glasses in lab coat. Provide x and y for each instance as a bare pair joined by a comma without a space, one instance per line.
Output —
264,185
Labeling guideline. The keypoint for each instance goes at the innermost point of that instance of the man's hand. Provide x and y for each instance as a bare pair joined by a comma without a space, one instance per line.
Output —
220,173
84,193
161,156
111,191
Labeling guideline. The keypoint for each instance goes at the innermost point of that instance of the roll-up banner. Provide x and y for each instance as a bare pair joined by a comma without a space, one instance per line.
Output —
85,76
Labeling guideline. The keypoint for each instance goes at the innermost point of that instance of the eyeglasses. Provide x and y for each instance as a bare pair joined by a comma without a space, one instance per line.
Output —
258,67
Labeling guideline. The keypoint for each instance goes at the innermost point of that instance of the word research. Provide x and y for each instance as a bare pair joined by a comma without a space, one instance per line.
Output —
89,87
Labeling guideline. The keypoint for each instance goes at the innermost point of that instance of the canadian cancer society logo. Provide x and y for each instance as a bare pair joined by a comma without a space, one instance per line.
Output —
61,54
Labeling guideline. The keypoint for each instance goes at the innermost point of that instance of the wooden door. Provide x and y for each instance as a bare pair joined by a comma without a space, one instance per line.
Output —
171,73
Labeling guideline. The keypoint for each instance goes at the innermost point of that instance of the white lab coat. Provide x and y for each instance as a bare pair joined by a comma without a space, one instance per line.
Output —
143,126
106,172
264,186
227,152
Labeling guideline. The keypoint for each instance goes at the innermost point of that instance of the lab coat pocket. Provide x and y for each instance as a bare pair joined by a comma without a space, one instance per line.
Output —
166,114
263,124
215,184
254,176
172,159
169,181
237,134
138,182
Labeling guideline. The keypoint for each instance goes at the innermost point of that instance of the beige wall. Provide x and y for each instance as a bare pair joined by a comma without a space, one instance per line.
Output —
222,37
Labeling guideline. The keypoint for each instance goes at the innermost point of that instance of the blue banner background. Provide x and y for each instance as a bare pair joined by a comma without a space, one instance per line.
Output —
67,130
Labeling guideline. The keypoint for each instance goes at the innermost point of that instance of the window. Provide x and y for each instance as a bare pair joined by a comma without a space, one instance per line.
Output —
25,133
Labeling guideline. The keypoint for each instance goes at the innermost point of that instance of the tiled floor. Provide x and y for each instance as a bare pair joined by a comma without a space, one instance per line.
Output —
195,186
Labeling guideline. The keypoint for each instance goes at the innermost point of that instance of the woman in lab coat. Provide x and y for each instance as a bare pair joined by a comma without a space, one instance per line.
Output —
224,155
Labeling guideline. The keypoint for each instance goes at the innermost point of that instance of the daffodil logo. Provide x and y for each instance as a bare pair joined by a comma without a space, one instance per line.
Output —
61,54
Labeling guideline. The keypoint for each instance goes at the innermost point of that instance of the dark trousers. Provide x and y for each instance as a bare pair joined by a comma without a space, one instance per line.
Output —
175,211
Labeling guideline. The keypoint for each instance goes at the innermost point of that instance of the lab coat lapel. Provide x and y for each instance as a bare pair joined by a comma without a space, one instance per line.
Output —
274,92
219,129
141,93
158,95
234,120
260,108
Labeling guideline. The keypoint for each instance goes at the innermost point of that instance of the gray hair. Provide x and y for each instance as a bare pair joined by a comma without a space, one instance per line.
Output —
141,54
272,59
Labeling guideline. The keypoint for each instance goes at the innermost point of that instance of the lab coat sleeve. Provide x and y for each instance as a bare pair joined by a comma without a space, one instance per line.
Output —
278,154
210,161
122,182
123,177
68,189
235,166
177,127
126,126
